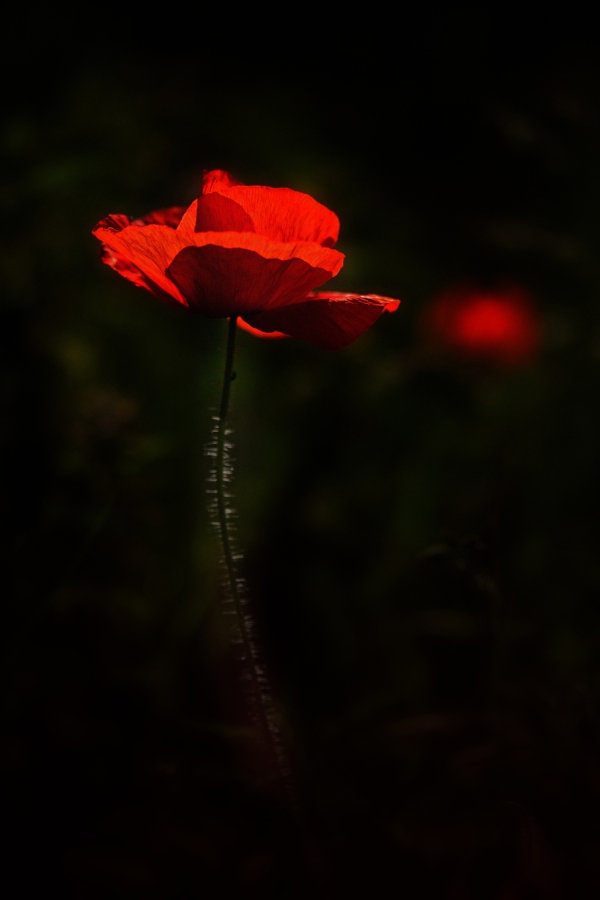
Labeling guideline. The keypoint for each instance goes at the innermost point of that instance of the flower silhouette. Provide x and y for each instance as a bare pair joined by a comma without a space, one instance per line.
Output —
249,251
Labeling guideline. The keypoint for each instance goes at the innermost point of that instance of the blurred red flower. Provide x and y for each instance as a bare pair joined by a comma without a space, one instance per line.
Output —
251,251
500,325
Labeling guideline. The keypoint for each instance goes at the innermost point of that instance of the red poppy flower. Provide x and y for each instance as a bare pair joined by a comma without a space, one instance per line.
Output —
499,325
255,252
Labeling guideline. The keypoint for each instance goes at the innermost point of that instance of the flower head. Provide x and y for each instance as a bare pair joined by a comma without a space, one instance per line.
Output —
245,250
501,325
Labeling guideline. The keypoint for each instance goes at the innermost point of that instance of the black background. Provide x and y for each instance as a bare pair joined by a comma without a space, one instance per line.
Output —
420,531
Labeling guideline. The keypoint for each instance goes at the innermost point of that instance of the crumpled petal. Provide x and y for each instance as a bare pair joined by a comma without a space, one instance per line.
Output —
120,262
281,214
114,222
217,179
170,216
144,253
252,251
267,275
329,320
117,221
214,212
222,281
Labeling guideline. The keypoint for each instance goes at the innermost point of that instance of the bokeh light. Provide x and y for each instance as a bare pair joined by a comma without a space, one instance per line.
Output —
500,325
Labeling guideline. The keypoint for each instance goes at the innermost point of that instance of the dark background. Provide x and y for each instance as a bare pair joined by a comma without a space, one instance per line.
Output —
420,531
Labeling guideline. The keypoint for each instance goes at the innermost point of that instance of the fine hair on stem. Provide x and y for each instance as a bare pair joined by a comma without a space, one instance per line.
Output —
223,515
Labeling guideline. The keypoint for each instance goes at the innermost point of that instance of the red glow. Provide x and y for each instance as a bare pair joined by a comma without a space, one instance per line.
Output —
500,325
246,250
276,335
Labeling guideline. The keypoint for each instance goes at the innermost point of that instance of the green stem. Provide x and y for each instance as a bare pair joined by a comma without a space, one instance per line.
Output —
257,679
220,464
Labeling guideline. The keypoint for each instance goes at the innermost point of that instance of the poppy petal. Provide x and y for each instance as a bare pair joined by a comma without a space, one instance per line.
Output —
328,320
114,222
141,254
264,275
281,214
122,265
223,281
261,334
171,217
128,270
217,179
214,212
313,254
120,262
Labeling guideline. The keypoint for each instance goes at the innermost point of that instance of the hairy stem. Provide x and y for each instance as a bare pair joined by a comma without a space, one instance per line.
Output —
258,685
222,511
